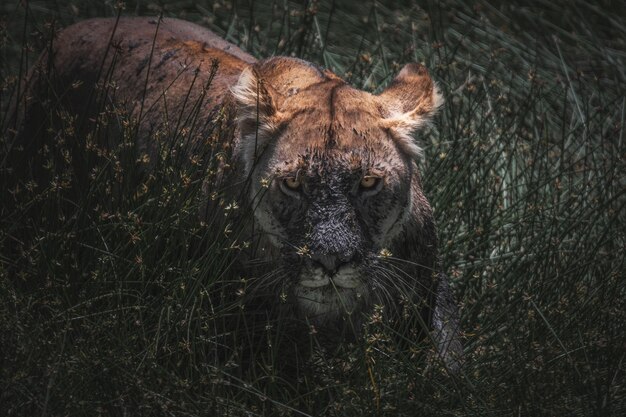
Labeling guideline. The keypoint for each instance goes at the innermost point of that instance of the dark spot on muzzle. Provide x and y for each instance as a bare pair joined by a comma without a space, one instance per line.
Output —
336,238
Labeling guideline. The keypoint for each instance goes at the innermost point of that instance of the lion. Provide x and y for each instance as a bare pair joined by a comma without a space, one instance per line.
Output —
332,171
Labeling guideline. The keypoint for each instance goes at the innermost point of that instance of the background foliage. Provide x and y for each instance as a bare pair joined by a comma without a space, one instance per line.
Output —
108,293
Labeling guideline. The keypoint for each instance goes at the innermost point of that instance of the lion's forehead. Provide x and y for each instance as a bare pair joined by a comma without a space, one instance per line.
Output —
336,163
332,116
333,95
319,145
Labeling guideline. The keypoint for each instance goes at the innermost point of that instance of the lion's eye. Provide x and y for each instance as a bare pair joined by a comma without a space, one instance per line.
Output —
293,183
369,182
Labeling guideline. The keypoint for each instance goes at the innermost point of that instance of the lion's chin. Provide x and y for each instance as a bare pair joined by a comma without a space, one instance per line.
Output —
322,299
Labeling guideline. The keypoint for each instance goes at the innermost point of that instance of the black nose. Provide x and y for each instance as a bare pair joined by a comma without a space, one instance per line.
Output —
330,263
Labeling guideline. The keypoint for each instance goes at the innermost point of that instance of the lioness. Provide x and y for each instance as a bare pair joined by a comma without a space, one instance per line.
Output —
332,170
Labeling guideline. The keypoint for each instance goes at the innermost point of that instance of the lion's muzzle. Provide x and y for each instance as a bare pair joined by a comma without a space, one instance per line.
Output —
346,277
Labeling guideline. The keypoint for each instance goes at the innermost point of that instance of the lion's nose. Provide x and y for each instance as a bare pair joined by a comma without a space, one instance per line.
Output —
330,263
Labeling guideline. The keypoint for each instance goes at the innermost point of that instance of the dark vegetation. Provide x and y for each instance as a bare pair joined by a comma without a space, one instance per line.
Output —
115,299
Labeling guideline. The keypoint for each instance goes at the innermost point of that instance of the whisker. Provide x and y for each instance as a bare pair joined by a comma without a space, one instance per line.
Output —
391,259
407,278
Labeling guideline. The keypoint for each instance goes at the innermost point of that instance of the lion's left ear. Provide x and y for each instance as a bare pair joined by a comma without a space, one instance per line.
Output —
257,113
410,102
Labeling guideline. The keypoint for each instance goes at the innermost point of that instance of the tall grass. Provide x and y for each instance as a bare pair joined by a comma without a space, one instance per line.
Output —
116,299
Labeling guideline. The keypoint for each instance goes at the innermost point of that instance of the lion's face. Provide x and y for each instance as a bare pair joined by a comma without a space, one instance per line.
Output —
334,183
338,193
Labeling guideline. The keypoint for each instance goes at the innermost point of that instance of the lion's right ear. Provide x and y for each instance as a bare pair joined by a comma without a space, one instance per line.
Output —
257,113
409,103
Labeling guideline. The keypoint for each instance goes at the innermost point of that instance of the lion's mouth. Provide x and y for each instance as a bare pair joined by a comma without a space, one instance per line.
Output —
337,281
347,277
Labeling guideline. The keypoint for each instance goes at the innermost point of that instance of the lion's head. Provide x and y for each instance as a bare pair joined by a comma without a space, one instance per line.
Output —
335,182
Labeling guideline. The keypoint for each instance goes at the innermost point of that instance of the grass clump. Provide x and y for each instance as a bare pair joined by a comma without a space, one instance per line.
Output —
116,299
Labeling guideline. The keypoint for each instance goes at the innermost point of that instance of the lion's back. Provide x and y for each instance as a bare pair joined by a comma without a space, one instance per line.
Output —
143,58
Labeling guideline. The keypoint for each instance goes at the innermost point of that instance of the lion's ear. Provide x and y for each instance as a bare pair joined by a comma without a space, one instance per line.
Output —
410,102
257,113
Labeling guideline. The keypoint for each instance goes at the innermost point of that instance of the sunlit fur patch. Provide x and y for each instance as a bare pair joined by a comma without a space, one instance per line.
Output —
403,124
257,115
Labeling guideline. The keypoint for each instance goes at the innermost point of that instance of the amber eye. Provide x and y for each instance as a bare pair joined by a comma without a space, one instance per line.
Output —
293,183
369,182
